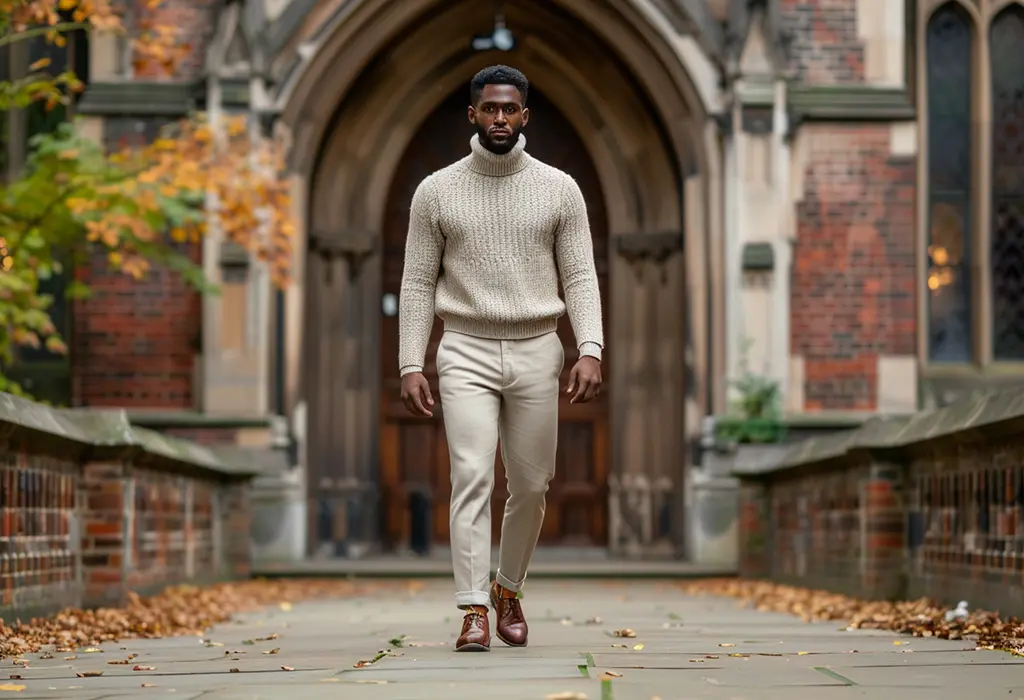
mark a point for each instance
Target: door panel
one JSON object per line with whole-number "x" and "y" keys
{"x": 415, "y": 467}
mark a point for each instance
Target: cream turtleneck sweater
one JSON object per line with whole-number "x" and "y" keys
{"x": 488, "y": 237}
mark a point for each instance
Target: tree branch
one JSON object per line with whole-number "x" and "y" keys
{"x": 40, "y": 31}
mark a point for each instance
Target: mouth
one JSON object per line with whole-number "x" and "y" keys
{"x": 500, "y": 132}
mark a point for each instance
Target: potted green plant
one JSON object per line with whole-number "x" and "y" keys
{"x": 755, "y": 417}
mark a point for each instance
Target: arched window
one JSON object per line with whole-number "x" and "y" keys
{"x": 1006, "y": 51}
{"x": 949, "y": 62}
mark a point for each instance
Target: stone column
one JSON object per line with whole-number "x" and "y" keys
{"x": 236, "y": 323}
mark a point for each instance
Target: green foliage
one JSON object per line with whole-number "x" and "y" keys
{"x": 756, "y": 412}
{"x": 45, "y": 216}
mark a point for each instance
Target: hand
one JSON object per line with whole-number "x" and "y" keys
{"x": 584, "y": 380}
{"x": 416, "y": 394}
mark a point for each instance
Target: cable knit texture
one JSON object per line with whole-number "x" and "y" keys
{"x": 488, "y": 237}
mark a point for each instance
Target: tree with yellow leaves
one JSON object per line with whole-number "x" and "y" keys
{"x": 74, "y": 200}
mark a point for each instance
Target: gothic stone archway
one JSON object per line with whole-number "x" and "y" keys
{"x": 643, "y": 134}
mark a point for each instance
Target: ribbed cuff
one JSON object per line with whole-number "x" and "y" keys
{"x": 409, "y": 369}
{"x": 589, "y": 349}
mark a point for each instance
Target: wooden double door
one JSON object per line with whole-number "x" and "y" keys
{"x": 414, "y": 479}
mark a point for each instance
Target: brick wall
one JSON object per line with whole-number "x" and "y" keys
{"x": 965, "y": 523}
{"x": 39, "y": 557}
{"x": 853, "y": 293}
{"x": 89, "y": 511}
{"x": 135, "y": 341}
{"x": 234, "y": 514}
{"x": 927, "y": 506}
{"x": 103, "y": 532}
{"x": 145, "y": 529}
{"x": 825, "y": 49}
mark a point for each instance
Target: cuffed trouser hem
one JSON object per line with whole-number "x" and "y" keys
{"x": 508, "y": 584}
{"x": 467, "y": 599}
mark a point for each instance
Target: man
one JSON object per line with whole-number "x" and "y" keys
{"x": 488, "y": 237}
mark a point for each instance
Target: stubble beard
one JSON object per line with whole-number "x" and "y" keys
{"x": 498, "y": 148}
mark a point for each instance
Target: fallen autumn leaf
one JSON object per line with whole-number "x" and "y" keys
{"x": 921, "y": 618}
{"x": 177, "y": 611}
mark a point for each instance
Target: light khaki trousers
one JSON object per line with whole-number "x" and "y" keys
{"x": 491, "y": 390}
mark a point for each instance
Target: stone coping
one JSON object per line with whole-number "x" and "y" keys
{"x": 992, "y": 415}
{"x": 109, "y": 434}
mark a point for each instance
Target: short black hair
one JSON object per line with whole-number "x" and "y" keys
{"x": 498, "y": 75}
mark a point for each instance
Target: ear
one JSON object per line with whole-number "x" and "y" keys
{"x": 526, "y": 116}
{"x": 472, "y": 114}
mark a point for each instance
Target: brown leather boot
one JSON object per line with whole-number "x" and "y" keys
{"x": 511, "y": 625}
{"x": 476, "y": 631}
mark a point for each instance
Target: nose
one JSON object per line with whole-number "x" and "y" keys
{"x": 500, "y": 117}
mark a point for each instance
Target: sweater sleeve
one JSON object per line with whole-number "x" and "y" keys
{"x": 423, "y": 250}
{"x": 574, "y": 251}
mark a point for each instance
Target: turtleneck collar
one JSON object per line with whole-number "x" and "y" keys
{"x": 487, "y": 163}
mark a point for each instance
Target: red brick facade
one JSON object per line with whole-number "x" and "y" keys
{"x": 135, "y": 342}
{"x": 824, "y": 49}
{"x": 853, "y": 295}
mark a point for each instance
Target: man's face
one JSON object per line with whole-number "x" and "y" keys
{"x": 499, "y": 116}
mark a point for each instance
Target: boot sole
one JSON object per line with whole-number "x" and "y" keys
{"x": 494, "y": 604}
{"x": 472, "y": 647}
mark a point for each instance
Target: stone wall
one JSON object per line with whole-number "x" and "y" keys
{"x": 929, "y": 505}
{"x": 92, "y": 507}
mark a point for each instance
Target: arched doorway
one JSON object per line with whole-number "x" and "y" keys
{"x": 381, "y": 69}
{"x": 414, "y": 474}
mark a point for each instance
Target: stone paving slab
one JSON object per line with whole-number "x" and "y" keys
{"x": 692, "y": 648}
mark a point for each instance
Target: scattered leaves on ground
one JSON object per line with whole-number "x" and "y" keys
{"x": 920, "y": 618}
{"x": 380, "y": 655}
{"x": 627, "y": 633}
{"x": 178, "y": 611}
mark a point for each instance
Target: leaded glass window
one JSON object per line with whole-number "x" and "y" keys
{"x": 1007, "y": 228}
{"x": 949, "y": 47}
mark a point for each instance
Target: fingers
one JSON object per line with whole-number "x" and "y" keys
{"x": 425, "y": 400}
{"x": 573, "y": 381}
{"x": 418, "y": 399}
{"x": 417, "y": 408}
{"x": 587, "y": 389}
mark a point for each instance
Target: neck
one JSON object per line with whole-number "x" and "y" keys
{"x": 498, "y": 164}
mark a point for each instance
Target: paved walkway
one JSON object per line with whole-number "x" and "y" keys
{"x": 691, "y": 648}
